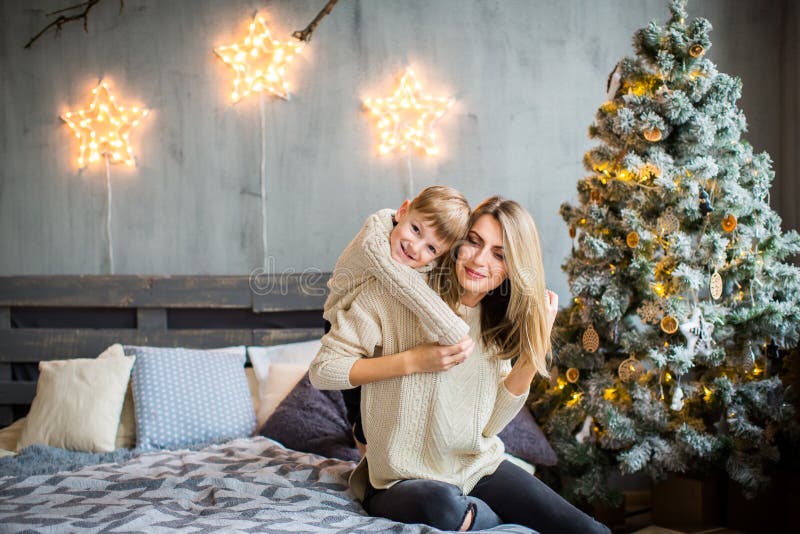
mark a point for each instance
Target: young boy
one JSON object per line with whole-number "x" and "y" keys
{"x": 398, "y": 249}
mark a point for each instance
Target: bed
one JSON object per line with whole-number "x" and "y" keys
{"x": 246, "y": 484}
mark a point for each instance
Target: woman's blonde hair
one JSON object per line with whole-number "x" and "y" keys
{"x": 513, "y": 315}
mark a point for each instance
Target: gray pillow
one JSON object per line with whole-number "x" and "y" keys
{"x": 524, "y": 439}
{"x": 311, "y": 420}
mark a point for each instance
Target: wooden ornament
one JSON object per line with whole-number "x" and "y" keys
{"x": 716, "y": 285}
{"x": 572, "y": 232}
{"x": 653, "y": 135}
{"x": 572, "y": 375}
{"x": 591, "y": 341}
{"x": 594, "y": 196}
{"x": 669, "y": 324}
{"x": 668, "y": 223}
{"x": 650, "y": 312}
{"x": 696, "y": 50}
{"x": 630, "y": 370}
{"x": 632, "y": 239}
{"x": 729, "y": 223}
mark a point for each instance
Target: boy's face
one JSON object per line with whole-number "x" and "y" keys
{"x": 413, "y": 241}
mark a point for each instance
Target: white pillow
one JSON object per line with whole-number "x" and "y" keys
{"x": 78, "y": 403}
{"x": 281, "y": 380}
{"x": 295, "y": 353}
{"x": 262, "y": 358}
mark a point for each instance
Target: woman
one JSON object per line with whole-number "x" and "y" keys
{"x": 431, "y": 414}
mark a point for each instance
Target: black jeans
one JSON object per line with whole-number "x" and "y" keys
{"x": 509, "y": 495}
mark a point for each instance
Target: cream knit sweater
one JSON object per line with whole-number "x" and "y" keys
{"x": 438, "y": 426}
{"x": 368, "y": 257}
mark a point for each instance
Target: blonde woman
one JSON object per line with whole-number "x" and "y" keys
{"x": 431, "y": 414}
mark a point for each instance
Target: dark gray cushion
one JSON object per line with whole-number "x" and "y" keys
{"x": 311, "y": 420}
{"x": 524, "y": 439}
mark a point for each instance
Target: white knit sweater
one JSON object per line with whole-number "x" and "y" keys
{"x": 438, "y": 426}
{"x": 368, "y": 257}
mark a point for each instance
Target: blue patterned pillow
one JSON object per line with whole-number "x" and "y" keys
{"x": 183, "y": 397}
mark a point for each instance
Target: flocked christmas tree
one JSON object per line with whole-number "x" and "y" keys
{"x": 665, "y": 358}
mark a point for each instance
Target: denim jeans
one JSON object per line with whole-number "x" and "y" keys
{"x": 509, "y": 495}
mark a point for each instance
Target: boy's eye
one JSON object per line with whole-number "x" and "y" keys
{"x": 433, "y": 250}
{"x": 415, "y": 228}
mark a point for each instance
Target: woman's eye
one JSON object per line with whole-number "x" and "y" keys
{"x": 433, "y": 250}
{"x": 500, "y": 257}
{"x": 472, "y": 241}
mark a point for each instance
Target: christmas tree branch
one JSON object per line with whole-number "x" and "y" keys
{"x": 305, "y": 35}
{"x": 63, "y": 19}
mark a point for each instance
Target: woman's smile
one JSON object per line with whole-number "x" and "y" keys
{"x": 474, "y": 275}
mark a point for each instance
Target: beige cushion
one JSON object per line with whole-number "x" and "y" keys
{"x": 252, "y": 384}
{"x": 78, "y": 403}
{"x": 280, "y": 381}
{"x": 9, "y": 437}
{"x": 126, "y": 432}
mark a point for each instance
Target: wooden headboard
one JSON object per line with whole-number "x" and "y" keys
{"x": 60, "y": 317}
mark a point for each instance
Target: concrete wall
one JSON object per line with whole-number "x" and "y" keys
{"x": 786, "y": 190}
{"x": 527, "y": 76}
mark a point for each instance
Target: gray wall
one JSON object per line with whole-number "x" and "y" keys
{"x": 527, "y": 76}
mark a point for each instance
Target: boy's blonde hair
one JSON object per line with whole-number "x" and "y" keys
{"x": 445, "y": 209}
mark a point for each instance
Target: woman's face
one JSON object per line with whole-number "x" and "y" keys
{"x": 481, "y": 264}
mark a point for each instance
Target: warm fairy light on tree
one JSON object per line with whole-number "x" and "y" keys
{"x": 259, "y": 62}
{"x": 406, "y": 118}
{"x": 104, "y": 127}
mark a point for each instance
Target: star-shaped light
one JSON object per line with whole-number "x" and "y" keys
{"x": 697, "y": 332}
{"x": 103, "y": 128}
{"x": 259, "y": 62}
{"x": 406, "y": 118}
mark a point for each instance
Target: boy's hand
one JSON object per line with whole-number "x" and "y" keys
{"x": 432, "y": 357}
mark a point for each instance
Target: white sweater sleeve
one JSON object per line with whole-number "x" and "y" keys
{"x": 354, "y": 334}
{"x": 439, "y": 322}
{"x": 506, "y": 405}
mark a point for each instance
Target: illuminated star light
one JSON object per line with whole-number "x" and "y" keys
{"x": 407, "y": 117}
{"x": 259, "y": 62}
{"x": 103, "y": 128}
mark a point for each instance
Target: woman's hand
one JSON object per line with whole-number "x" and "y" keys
{"x": 432, "y": 357}
{"x": 552, "y": 310}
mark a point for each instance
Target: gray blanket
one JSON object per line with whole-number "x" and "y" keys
{"x": 246, "y": 485}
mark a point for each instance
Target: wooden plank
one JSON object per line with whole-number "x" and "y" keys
{"x": 36, "y": 344}
{"x": 151, "y": 319}
{"x": 284, "y": 292}
{"x": 125, "y": 291}
{"x": 16, "y": 392}
{"x": 277, "y": 336}
{"x": 6, "y": 412}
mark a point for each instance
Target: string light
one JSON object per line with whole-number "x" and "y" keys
{"x": 406, "y": 118}
{"x": 104, "y": 127}
{"x": 259, "y": 62}
{"x": 576, "y": 397}
{"x": 609, "y": 393}
{"x": 707, "y": 394}
{"x": 659, "y": 289}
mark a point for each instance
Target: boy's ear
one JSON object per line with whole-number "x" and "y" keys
{"x": 402, "y": 211}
